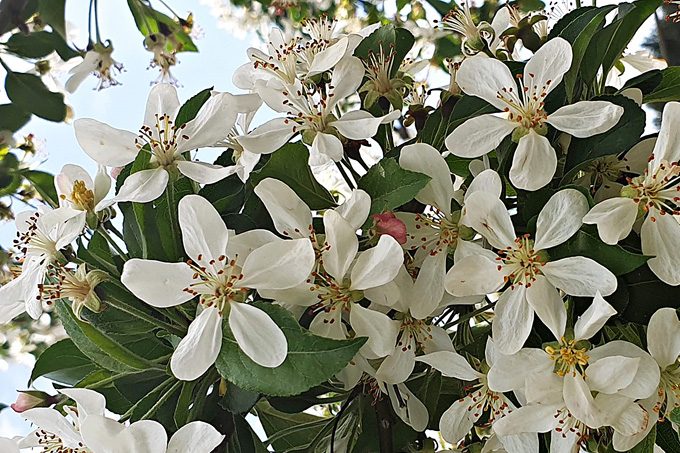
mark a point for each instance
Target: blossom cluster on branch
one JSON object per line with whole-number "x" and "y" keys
{"x": 496, "y": 260}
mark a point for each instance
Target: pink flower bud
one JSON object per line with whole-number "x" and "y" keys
{"x": 388, "y": 223}
{"x": 28, "y": 399}
{"x": 115, "y": 171}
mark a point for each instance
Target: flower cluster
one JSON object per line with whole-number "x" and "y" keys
{"x": 453, "y": 280}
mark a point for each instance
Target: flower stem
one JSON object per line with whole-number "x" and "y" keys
{"x": 112, "y": 243}
{"x": 164, "y": 397}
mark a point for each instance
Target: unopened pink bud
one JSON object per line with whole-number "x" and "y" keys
{"x": 388, "y": 223}
{"x": 29, "y": 399}
{"x": 115, "y": 171}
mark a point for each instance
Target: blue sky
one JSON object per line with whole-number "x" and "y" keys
{"x": 122, "y": 107}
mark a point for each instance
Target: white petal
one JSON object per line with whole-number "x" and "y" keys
{"x": 202, "y": 172}
{"x": 147, "y": 436}
{"x": 328, "y": 145}
{"x": 278, "y": 265}
{"x": 290, "y": 214}
{"x": 560, "y": 218}
{"x": 301, "y": 295}
{"x": 474, "y": 275}
{"x": 487, "y": 214}
{"x": 8, "y": 445}
{"x": 510, "y": 372}
{"x": 141, "y": 187}
{"x": 105, "y": 144}
{"x": 162, "y": 100}
{"x": 102, "y": 184}
{"x": 580, "y": 402}
{"x": 378, "y": 327}
{"x": 360, "y": 125}
{"x": 485, "y": 78}
{"x": 660, "y": 238}
{"x": 614, "y": 218}
{"x": 198, "y": 437}
{"x": 342, "y": 245}
{"x": 345, "y": 80}
{"x": 586, "y": 118}
{"x": 534, "y": 162}
{"x": 68, "y": 175}
{"x": 479, "y": 135}
{"x": 423, "y": 158}
{"x": 545, "y": 69}
{"x": 548, "y": 305}
{"x": 198, "y": 350}
{"x": 663, "y": 337}
{"x": 513, "y": 320}
{"x": 242, "y": 245}
{"x": 610, "y": 374}
{"x": 579, "y": 276}
{"x": 456, "y": 422}
{"x": 646, "y": 380}
{"x": 157, "y": 283}
{"x": 216, "y": 116}
{"x": 429, "y": 285}
{"x": 450, "y": 364}
{"x": 414, "y": 413}
{"x": 53, "y": 422}
{"x": 668, "y": 142}
{"x": 329, "y": 57}
{"x": 356, "y": 208}
{"x": 203, "y": 231}
{"x": 623, "y": 414}
{"x": 89, "y": 402}
{"x": 268, "y": 137}
{"x": 535, "y": 418}
{"x": 486, "y": 181}
{"x": 257, "y": 335}
{"x": 593, "y": 319}
{"x": 105, "y": 435}
{"x": 377, "y": 265}
{"x": 397, "y": 366}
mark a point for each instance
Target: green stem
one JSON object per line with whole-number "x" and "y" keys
{"x": 172, "y": 214}
{"x": 166, "y": 396}
{"x": 96, "y": 21}
{"x": 389, "y": 140}
{"x": 161, "y": 388}
{"x": 112, "y": 242}
{"x": 111, "y": 379}
{"x": 345, "y": 176}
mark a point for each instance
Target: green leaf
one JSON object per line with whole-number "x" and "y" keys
{"x": 227, "y": 195}
{"x": 31, "y": 45}
{"x": 618, "y": 139}
{"x": 610, "y": 42}
{"x": 289, "y": 165}
{"x": 613, "y": 257}
{"x": 190, "y": 108}
{"x": 391, "y": 186}
{"x": 646, "y": 294}
{"x": 668, "y": 89}
{"x": 666, "y": 437}
{"x": 99, "y": 347}
{"x": 645, "y": 82}
{"x": 311, "y": 359}
{"x": 43, "y": 183}
{"x": 30, "y": 94}
{"x": 244, "y": 439}
{"x": 579, "y": 32}
{"x": 238, "y": 400}
{"x": 12, "y": 118}
{"x": 52, "y": 12}
{"x": 62, "y": 362}
{"x": 302, "y": 427}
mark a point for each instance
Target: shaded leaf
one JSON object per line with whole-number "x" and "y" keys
{"x": 391, "y": 186}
